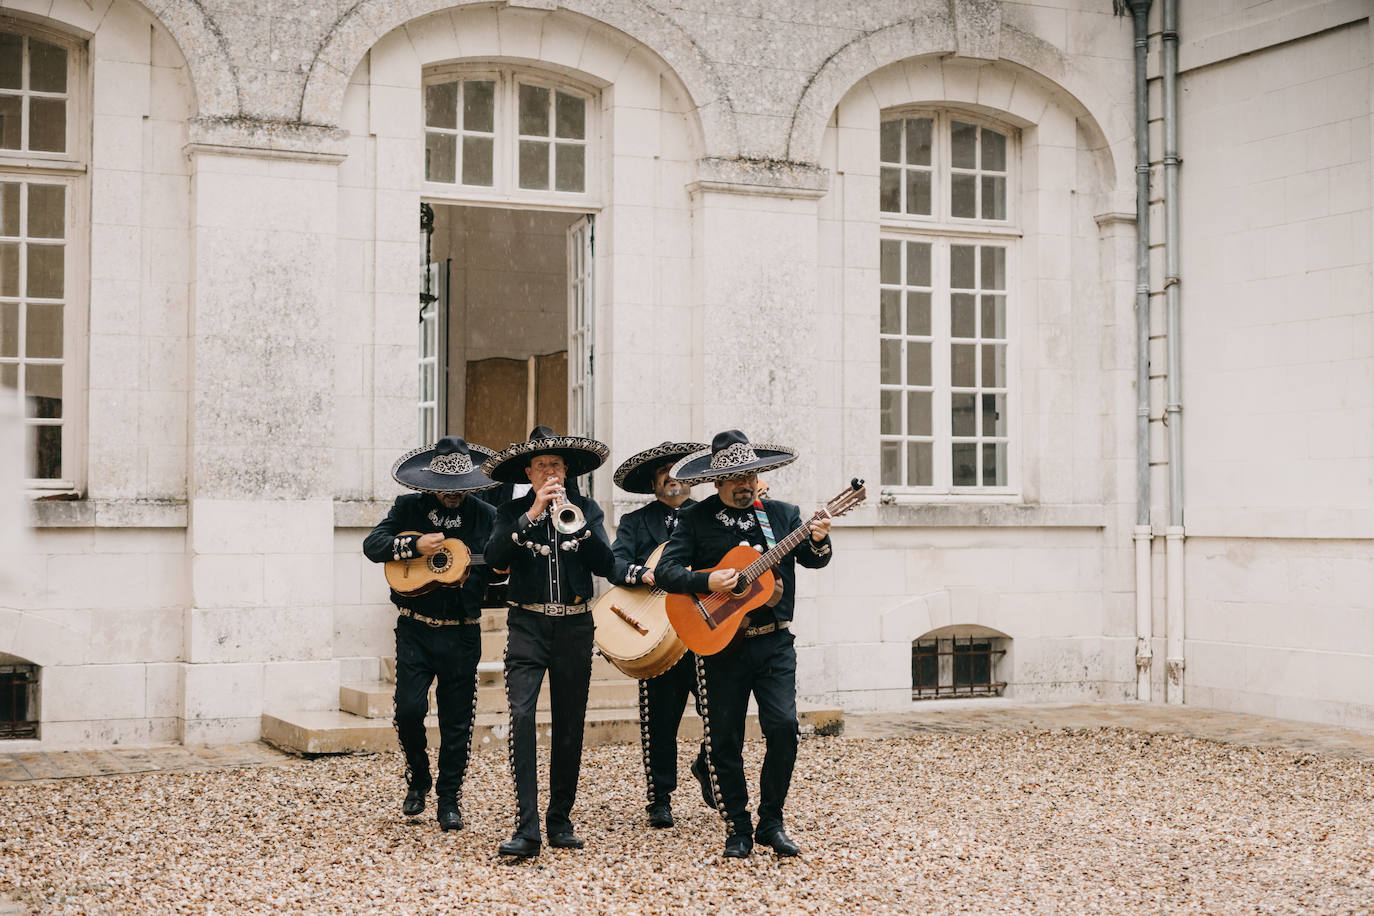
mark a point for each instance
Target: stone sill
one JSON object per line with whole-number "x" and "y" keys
{"x": 974, "y": 515}
{"x": 108, "y": 513}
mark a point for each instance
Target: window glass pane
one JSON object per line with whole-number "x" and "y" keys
{"x": 11, "y": 61}
{"x": 9, "y": 269}
{"x": 891, "y": 472}
{"x": 9, "y": 208}
{"x": 890, "y": 142}
{"x": 918, "y": 363}
{"x": 994, "y": 197}
{"x": 963, "y": 195}
{"x": 918, "y": 134}
{"x": 918, "y": 192}
{"x": 48, "y": 125}
{"x": 994, "y": 415}
{"x": 890, "y": 368}
{"x": 964, "y": 463}
{"x": 961, "y": 315}
{"x": 994, "y": 151}
{"x": 918, "y": 413}
{"x": 962, "y": 153}
{"x": 46, "y": 206}
{"x": 994, "y": 366}
{"x": 440, "y": 153}
{"x": 426, "y": 385}
{"x": 9, "y": 329}
{"x": 917, "y": 263}
{"x": 479, "y": 105}
{"x": 441, "y": 105}
{"x": 961, "y": 357}
{"x": 961, "y": 267}
{"x": 11, "y": 107}
{"x": 891, "y": 261}
{"x": 961, "y": 419}
{"x": 534, "y": 164}
{"x": 890, "y": 190}
{"x": 889, "y": 413}
{"x": 920, "y": 464}
{"x": 43, "y": 333}
{"x": 918, "y": 314}
{"x": 569, "y": 167}
{"x": 477, "y": 161}
{"x": 994, "y": 322}
{"x": 45, "y": 280}
{"x": 47, "y": 67}
{"x": 571, "y": 113}
{"x": 45, "y": 455}
{"x": 43, "y": 391}
{"x": 9, "y": 375}
{"x": 994, "y": 464}
{"x": 994, "y": 268}
{"x": 534, "y": 113}
{"x": 890, "y": 314}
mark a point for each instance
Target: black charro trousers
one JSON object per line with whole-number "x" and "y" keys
{"x": 450, "y": 654}
{"x": 765, "y": 666}
{"x": 662, "y": 700}
{"x": 562, "y": 647}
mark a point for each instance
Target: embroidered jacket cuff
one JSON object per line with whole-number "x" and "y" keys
{"x": 403, "y": 547}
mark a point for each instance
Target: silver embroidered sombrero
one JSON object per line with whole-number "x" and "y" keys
{"x": 731, "y": 455}
{"x": 581, "y": 455}
{"x": 636, "y": 473}
{"x": 444, "y": 467}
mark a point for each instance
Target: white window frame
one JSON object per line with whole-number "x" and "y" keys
{"x": 68, "y": 168}
{"x": 505, "y": 190}
{"x": 941, "y": 232}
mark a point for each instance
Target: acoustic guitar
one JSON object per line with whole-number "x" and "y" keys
{"x": 708, "y": 623}
{"x": 632, "y": 629}
{"x": 448, "y": 567}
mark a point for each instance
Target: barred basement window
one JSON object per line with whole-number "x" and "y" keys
{"x": 18, "y": 701}
{"x": 956, "y": 666}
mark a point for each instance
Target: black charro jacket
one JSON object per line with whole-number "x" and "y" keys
{"x": 706, "y": 531}
{"x": 639, "y": 533}
{"x": 562, "y": 577}
{"x": 471, "y": 522}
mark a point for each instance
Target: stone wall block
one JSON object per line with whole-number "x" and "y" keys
{"x": 220, "y": 691}
{"x": 227, "y": 580}
{"x": 128, "y": 635}
{"x": 258, "y": 634}
{"x": 300, "y": 685}
{"x": 94, "y": 692}
{"x": 873, "y": 666}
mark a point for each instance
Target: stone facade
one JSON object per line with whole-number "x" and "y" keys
{"x": 240, "y": 339}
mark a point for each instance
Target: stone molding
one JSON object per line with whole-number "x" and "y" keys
{"x": 267, "y": 139}
{"x": 766, "y": 177}
{"x": 974, "y": 515}
{"x": 108, "y": 513}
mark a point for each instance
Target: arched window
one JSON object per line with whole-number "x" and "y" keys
{"x": 959, "y": 661}
{"x": 18, "y": 698}
{"x": 507, "y": 134}
{"x": 947, "y": 260}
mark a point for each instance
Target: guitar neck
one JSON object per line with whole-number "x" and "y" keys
{"x": 773, "y": 556}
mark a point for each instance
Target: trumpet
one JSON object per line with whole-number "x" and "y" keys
{"x": 567, "y": 518}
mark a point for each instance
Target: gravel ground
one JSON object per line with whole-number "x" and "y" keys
{"x": 1100, "y": 820}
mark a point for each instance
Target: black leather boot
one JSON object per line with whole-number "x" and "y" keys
{"x": 450, "y": 817}
{"x": 738, "y": 846}
{"x": 415, "y": 799}
{"x": 520, "y": 847}
{"x": 779, "y": 841}
{"x": 704, "y": 780}
{"x": 565, "y": 839}
{"x": 660, "y": 815}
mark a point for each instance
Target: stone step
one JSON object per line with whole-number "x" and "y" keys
{"x": 333, "y": 731}
{"x": 374, "y": 700}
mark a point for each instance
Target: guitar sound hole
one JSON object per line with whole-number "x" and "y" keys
{"x": 741, "y": 588}
{"x": 439, "y": 561}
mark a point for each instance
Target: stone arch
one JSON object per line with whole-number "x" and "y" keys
{"x": 364, "y": 24}
{"x": 203, "y": 46}
{"x": 1021, "y": 57}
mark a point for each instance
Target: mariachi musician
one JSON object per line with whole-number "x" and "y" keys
{"x": 764, "y": 661}
{"x": 437, "y": 634}
{"x": 552, "y": 540}
{"x": 662, "y": 698}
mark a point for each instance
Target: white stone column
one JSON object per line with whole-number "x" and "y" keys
{"x": 756, "y": 238}
{"x": 259, "y": 632}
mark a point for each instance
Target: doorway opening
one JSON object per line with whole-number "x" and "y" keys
{"x": 506, "y": 343}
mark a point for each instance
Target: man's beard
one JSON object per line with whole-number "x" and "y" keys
{"x": 742, "y": 498}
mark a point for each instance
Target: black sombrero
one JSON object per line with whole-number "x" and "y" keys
{"x": 582, "y": 456}
{"x": 636, "y": 473}
{"x": 444, "y": 467}
{"x": 731, "y": 455}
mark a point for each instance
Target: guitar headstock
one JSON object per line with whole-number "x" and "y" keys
{"x": 847, "y": 499}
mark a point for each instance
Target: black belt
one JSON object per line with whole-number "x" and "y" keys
{"x": 555, "y": 610}
{"x": 435, "y": 621}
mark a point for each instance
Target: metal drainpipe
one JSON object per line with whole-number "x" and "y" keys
{"x": 1174, "y": 534}
{"x": 1142, "y": 535}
